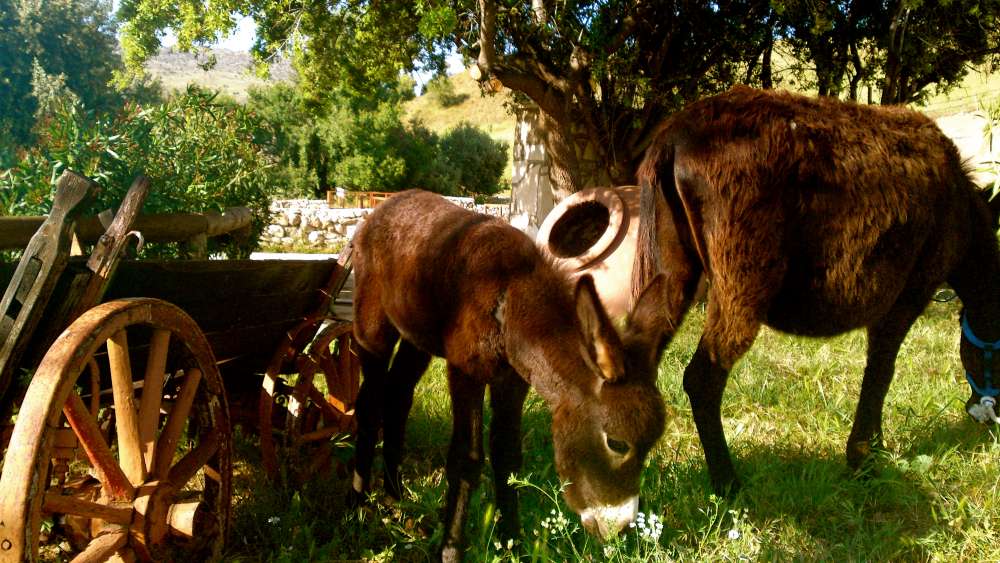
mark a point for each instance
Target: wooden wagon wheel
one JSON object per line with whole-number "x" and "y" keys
{"x": 158, "y": 487}
{"x": 308, "y": 397}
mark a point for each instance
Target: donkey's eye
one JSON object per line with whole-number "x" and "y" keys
{"x": 617, "y": 446}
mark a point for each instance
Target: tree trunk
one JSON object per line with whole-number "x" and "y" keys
{"x": 766, "y": 80}
{"x": 891, "y": 86}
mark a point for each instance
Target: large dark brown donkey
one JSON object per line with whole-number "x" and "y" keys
{"x": 441, "y": 280}
{"x": 815, "y": 217}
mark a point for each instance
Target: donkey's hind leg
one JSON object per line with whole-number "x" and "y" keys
{"x": 704, "y": 383}
{"x": 731, "y": 325}
{"x": 884, "y": 340}
{"x": 465, "y": 457}
{"x": 507, "y": 394}
{"x": 408, "y": 366}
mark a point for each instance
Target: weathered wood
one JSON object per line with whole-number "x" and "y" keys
{"x": 182, "y": 518}
{"x": 152, "y": 393}
{"x": 230, "y": 220}
{"x": 51, "y": 395}
{"x": 42, "y": 262}
{"x": 130, "y": 451}
{"x": 102, "y": 547}
{"x": 166, "y": 445}
{"x": 116, "y": 484}
{"x": 187, "y": 467}
{"x": 67, "y": 504}
{"x": 15, "y": 232}
{"x": 85, "y": 287}
{"x": 243, "y": 306}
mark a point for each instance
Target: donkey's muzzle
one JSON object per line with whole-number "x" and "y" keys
{"x": 606, "y": 521}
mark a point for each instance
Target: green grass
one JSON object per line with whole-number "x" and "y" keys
{"x": 787, "y": 413}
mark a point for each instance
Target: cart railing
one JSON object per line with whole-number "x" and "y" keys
{"x": 191, "y": 228}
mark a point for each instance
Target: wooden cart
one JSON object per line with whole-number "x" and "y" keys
{"x": 118, "y": 381}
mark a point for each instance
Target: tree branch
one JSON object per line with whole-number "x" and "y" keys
{"x": 487, "y": 37}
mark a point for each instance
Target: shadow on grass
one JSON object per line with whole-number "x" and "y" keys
{"x": 311, "y": 521}
{"x": 960, "y": 434}
{"x": 811, "y": 502}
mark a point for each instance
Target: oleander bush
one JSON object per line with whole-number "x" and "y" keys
{"x": 198, "y": 151}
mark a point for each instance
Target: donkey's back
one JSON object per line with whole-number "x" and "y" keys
{"x": 844, "y": 206}
{"x": 432, "y": 267}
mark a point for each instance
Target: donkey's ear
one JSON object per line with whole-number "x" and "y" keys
{"x": 647, "y": 326}
{"x": 603, "y": 346}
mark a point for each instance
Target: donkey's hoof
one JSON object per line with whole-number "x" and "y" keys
{"x": 451, "y": 554}
{"x": 864, "y": 471}
{"x": 356, "y": 499}
{"x": 393, "y": 488}
{"x": 727, "y": 488}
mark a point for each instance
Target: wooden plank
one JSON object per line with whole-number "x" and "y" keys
{"x": 42, "y": 261}
{"x": 219, "y": 279}
{"x": 15, "y": 232}
{"x": 103, "y": 547}
{"x": 87, "y": 285}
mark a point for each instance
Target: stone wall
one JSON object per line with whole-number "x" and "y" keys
{"x": 312, "y": 223}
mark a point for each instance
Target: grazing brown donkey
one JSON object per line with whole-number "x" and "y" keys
{"x": 440, "y": 280}
{"x": 813, "y": 216}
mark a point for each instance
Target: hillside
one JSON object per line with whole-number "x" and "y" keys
{"x": 233, "y": 73}
{"x": 487, "y": 112}
{"x": 976, "y": 88}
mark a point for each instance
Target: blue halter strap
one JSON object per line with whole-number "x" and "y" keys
{"x": 988, "y": 348}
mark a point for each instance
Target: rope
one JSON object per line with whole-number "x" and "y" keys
{"x": 983, "y": 411}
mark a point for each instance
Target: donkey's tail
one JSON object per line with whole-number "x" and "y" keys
{"x": 655, "y": 172}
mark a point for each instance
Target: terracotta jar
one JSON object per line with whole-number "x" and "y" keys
{"x": 594, "y": 232}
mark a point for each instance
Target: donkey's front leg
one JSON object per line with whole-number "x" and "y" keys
{"x": 465, "y": 457}
{"x": 507, "y": 400}
{"x": 369, "y": 409}
{"x": 407, "y": 367}
{"x": 884, "y": 340}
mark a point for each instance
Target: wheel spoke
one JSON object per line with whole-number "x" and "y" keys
{"x": 124, "y": 555}
{"x": 331, "y": 407}
{"x": 102, "y": 547}
{"x": 126, "y": 416}
{"x": 115, "y": 482}
{"x": 188, "y": 466}
{"x": 65, "y": 504}
{"x": 166, "y": 445}
{"x": 95, "y": 387}
{"x": 152, "y": 393}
